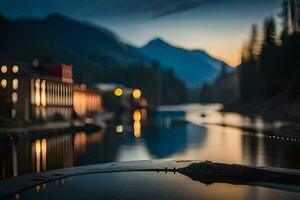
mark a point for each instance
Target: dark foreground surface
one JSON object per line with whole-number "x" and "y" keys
{"x": 156, "y": 179}
{"x": 149, "y": 180}
{"x": 148, "y": 185}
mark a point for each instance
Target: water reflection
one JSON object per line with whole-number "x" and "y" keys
{"x": 133, "y": 138}
{"x": 150, "y": 184}
{"x": 137, "y": 117}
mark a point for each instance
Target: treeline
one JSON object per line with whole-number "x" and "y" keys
{"x": 270, "y": 62}
{"x": 159, "y": 86}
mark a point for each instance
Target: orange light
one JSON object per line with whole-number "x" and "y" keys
{"x": 118, "y": 92}
{"x": 137, "y": 129}
{"x": 136, "y": 93}
{"x": 137, "y": 115}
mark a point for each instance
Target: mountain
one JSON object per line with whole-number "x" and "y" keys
{"x": 59, "y": 39}
{"x": 18, "y": 44}
{"x": 93, "y": 49}
{"x": 195, "y": 67}
{"x": 94, "y": 43}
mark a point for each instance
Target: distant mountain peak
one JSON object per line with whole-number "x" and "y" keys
{"x": 157, "y": 42}
{"x": 195, "y": 67}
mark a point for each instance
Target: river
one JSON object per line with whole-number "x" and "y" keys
{"x": 188, "y": 132}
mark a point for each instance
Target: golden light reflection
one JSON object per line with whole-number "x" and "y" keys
{"x": 15, "y": 69}
{"x": 118, "y": 92}
{"x": 137, "y": 127}
{"x": 43, "y": 93}
{"x": 136, "y": 93}
{"x": 15, "y": 161}
{"x": 38, "y": 155}
{"x": 14, "y": 97}
{"x": 44, "y": 154}
{"x": 137, "y": 115}
{"x": 3, "y": 83}
{"x": 37, "y": 92}
{"x": 80, "y": 142}
{"x": 32, "y": 91}
{"x": 4, "y": 69}
{"x": 223, "y": 144}
{"x": 15, "y": 84}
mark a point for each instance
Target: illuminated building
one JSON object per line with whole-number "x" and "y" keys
{"x": 43, "y": 93}
{"x": 86, "y": 100}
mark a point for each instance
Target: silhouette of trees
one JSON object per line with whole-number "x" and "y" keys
{"x": 159, "y": 86}
{"x": 271, "y": 63}
{"x": 249, "y": 69}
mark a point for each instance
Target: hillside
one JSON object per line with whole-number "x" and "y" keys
{"x": 195, "y": 67}
{"x": 93, "y": 49}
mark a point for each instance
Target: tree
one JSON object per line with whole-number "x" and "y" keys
{"x": 249, "y": 69}
{"x": 284, "y": 16}
{"x": 270, "y": 37}
{"x": 253, "y": 51}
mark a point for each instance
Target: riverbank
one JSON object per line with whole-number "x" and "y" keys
{"x": 277, "y": 109}
{"x": 97, "y": 122}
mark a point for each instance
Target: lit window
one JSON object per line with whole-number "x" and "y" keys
{"x": 15, "y": 84}
{"x": 3, "y": 83}
{"x": 4, "y": 69}
{"x": 14, "y": 97}
{"x": 32, "y": 91}
{"x": 43, "y": 93}
{"x": 15, "y": 69}
{"x": 37, "y": 92}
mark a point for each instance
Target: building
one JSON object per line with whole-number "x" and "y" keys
{"x": 293, "y": 16}
{"x": 32, "y": 92}
{"x": 86, "y": 100}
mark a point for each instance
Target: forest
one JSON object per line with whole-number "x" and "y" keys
{"x": 267, "y": 81}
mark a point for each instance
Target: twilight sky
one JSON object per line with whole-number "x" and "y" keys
{"x": 218, "y": 26}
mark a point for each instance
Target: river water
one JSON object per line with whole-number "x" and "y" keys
{"x": 148, "y": 185}
{"x": 162, "y": 134}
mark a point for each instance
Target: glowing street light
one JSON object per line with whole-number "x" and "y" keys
{"x": 118, "y": 92}
{"x": 136, "y": 93}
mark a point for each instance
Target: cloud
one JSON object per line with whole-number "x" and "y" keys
{"x": 177, "y": 6}
{"x": 102, "y": 8}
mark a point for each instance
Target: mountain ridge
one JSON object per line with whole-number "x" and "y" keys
{"x": 195, "y": 67}
{"x": 58, "y": 38}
